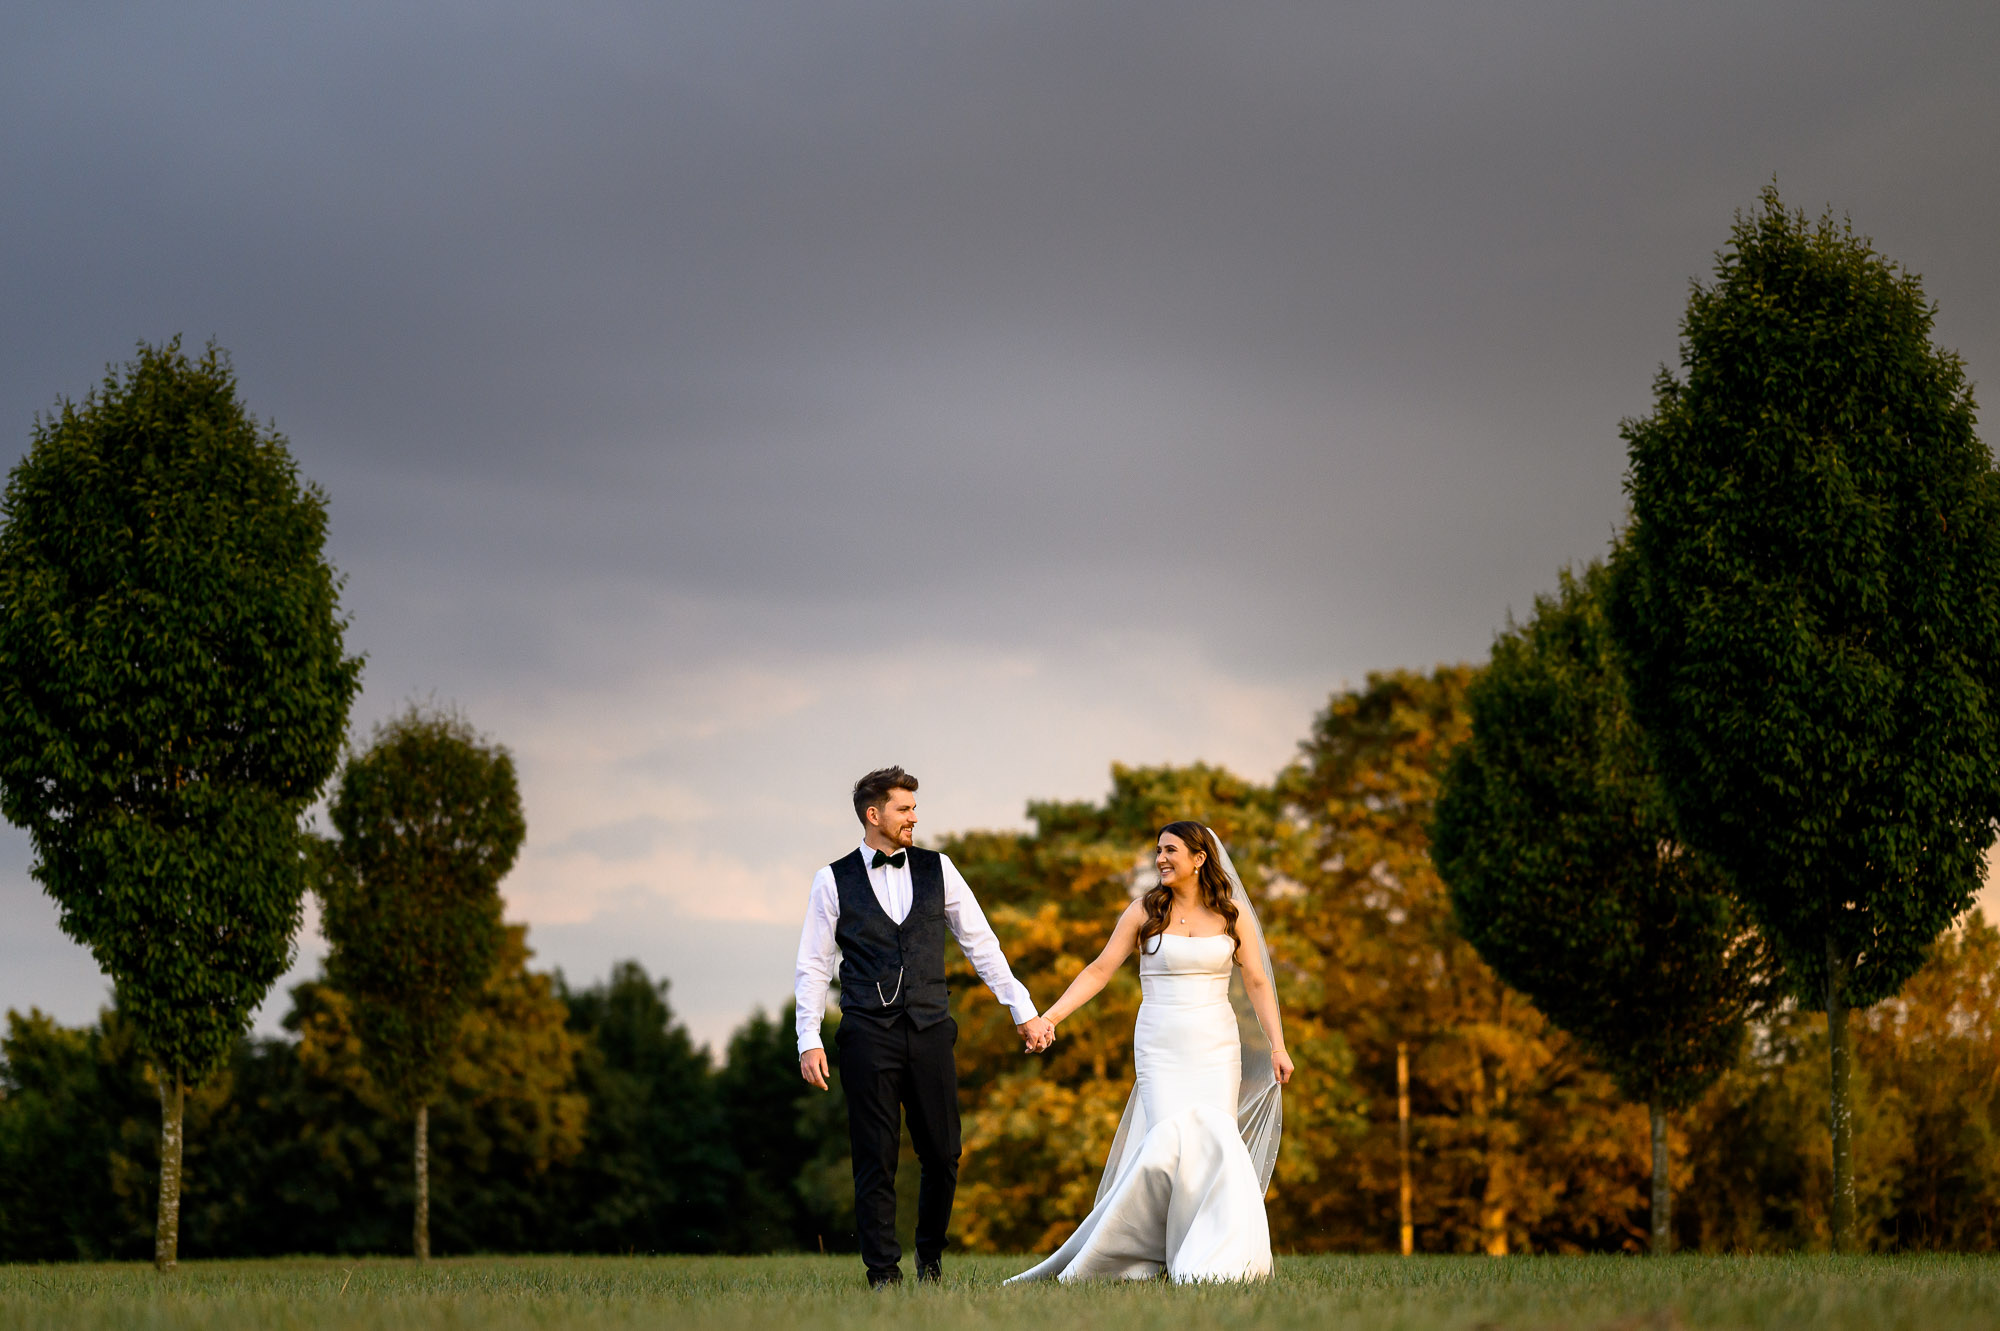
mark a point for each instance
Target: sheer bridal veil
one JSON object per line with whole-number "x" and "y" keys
{"x": 1259, "y": 1105}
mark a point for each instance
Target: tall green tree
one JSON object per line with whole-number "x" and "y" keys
{"x": 1808, "y": 606}
{"x": 1554, "y": 838}
{"x": 173, "y": 691}
{"x": 428, "y": 821}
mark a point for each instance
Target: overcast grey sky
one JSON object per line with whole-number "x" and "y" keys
{"x": 718, "y": 400}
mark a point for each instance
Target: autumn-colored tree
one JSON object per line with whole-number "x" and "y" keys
{"x": 1555, "y": 838}
{"x": 173, "y": 692}
{"x": 428, "y": 821}
{"x": 1808, "y": 604}
{"x": 1519, "y": 1141}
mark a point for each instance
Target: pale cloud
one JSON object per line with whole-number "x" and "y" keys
{"x": 727, "y": 816}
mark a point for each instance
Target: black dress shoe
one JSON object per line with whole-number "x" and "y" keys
{"x": 929, "y": 1273}
{"x": 884, "y": 1279}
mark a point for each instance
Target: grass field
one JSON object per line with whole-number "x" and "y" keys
{"x": 827, "y": 1294}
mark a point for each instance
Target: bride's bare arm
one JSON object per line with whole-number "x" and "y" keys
{"x": 1097, "y": 974}
{"x": 1264, "y": 1001}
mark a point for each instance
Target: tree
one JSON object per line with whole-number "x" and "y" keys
{"x": 656, "y": 1171}
{"x": 1808, "y": 606}
{"x": 506, "y": 1125}
{"x": 796, "y": 1188}
{"x": 428, "y": 821}
{"x": 173, "y": 691}
{"x": 1554, "y": 837}
{"x": 1520, "y": 1141}
{"x": 74, "y": 1119}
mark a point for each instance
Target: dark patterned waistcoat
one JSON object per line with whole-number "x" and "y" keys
{"x": 887, "y": 968}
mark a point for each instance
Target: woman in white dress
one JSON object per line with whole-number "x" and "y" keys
{"x": 1183, "y": 1190}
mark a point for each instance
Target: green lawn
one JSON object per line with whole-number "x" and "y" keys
{"x": 827, "y": 1294}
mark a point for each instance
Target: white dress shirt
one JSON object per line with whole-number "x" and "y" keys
{"x": 818, "y": 954}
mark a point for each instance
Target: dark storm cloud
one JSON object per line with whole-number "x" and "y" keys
{"x": 648, "y": 336}
{"x": 684, "y": 289}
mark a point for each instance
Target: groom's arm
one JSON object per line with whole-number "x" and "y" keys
{"x": 981, "y": 948}
{"x": 814, "y": 974}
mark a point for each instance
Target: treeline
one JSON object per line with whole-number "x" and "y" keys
{"x": 580, "y": 1120}
{"x": 585, "y": 1119}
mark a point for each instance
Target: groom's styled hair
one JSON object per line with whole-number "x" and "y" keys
{"x": 872, "y": 791}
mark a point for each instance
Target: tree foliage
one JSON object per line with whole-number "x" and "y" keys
{"x": 1926, "y": 1121}
{"x": 290, "y": 1150}
{"x": 428, "y": 820}
{"x": 78, "y": 1141}
{"x": 796, "y": 1188}
{"x": 1519, "y": 1141}
{"x": 173, "y": 691}
{"x": 1809, "y": 603}
{"x": 1809, "y": 607}
{"x": 656, "y": 1168}
{"x": 1565, "y": 875}
{"x": 508, "y": 1112}
{"x": 287, "y": 1144}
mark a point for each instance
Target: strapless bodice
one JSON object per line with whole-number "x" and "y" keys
{"x": 1178, "y": 970}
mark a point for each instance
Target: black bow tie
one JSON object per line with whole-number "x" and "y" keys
{"x": 880, "y": 859}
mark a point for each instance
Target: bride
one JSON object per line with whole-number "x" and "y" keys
{"x": 1183, "y": 1190}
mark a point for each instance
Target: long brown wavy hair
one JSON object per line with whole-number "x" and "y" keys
{"x": 1212, "y": 884}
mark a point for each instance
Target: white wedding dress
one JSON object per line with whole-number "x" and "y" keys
{"x": 1188, "y": 1200}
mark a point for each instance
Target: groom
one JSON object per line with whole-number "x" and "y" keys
{"x": 886, "y": 907}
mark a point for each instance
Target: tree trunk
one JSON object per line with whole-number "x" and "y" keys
{"x": 1840, "y": 1107}
{"x": 167, "y": 1236}
{"x": 1405, "y": 1193}
{"x": 1663, "y": 1202}
{"x": 1493, "y": 1208}
{"x": 423, "y": 1217}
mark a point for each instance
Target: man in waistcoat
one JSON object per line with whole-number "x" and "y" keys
{"x": 885, "y": 907}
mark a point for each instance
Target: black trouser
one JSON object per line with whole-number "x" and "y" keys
{"x": 887, "y": 1066}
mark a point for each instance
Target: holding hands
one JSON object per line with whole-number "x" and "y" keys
{"x": 1038, "y": 1033}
